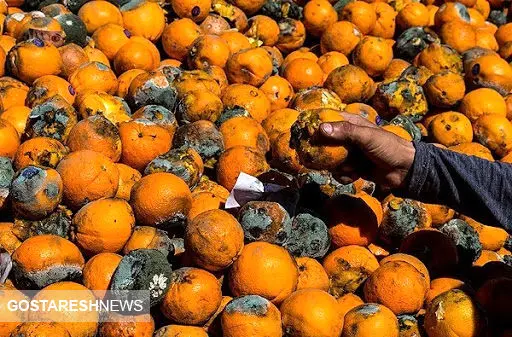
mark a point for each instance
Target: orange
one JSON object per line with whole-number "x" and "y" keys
{"x": 264, "y": 269}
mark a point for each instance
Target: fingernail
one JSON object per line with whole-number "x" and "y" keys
{"x": 326, "y": 128}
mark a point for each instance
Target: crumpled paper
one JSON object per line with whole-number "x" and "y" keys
{"x": 5, "y": 266}
{"x": 248, "y": 188}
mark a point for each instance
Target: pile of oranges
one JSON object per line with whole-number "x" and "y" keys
{"x": 125, "y": 125}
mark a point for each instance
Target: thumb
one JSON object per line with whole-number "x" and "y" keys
{"x": 346, "y": 132}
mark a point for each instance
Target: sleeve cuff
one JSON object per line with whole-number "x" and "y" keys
{"x": 417, "y": 175}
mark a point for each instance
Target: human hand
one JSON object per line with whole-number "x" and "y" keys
{"x": 376, "y": 154}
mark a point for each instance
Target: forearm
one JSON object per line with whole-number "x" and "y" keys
{"x": 475, "y": 187}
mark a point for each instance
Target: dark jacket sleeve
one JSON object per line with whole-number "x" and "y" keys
{"x": 473, "y": 186}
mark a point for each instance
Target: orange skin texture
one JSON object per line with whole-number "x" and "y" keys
{"x": 459, "y": 316}
{"x": 219, "y": 75}
{"x": 207, "y": 185}
{"x": 331, "y": 60}
{"x": 181, "y": 331}
{"x": 98, "y": 13}
{"x": 486, "y": 40}
{"x": 278, "y": 91}
{"x": 8, "y": 239}
{"x": 399, "y": 131}
{"x": 13, "y": 93}
{"x": 303, "y": 73}
{"x": 44, "y": 193}
{"x": 284, "y": 156}
{"x": 142, "y": 141}
{"x": 377, "y": 250}
{"x": 135, "y": 326}
{"x": 473, "y": 149}
{"x": 98, "y": 272}
{"x": 96, "y": 55}
{"x": 249, "y": 7}
{"x": 493, "y": 72}
{"x": 351, "y": 83}
{"x": 137, "y": 53}
{"x": 364, "y": 110}
{"x": 159, "y": 197}
{"x": 9, "y": 139}
{"x": 213, "y": 325}
{"x": 413, "y": 261}
{"x": 39, "y": 151}
{"x": 385, "y": 25}
{"x": 369, "y": 320}
{"x": 239, "y": 159}
{"x": 459, "y": 35}
{"x": 80, "y": 323}
{"x": 40, "y": 329}
{"x": 441, "y": 285}
{"x": 214, "y": 24}
{"x": 342, "y": 36}
{"x": 44, "y": 252}
{"x": 196, "y": 80}
{"x": 398, "y": 285}
{"x": 87, "y": 176}
{"x": 301, "y": 53}
{"x": 109, "y": 39}
{"x": 93, "y": 76}
{"x": 264, "y": 269}
{"x": 451, "y": 128}
{"x": 448, "y": 12}
{"x": 193, "y": 296}
{"x": 125, "y": 80}
{"x": 311, "y": 274}
{"x": 208, "y": 50}
{"x": 200, "y": 105}
{"x": 360, "y": 13}
{"x": 445, "y": 89}
{"x": 146, "y": 19}
{"x": 49, "y": 85}
{"x": 214, "y": 239}
{"x": 249, "y": 97}
{"x": 437, "y": 58}
{"x": 292, "y": 35}
{"x": 323, "y": 157}
{"x": 316, "y": 98}
{"x": 440, "y": 214}
{"x": 98, "y": 134}
{"x": 144, "y": 237}
{"x": 318, "y": 16}
{"x": 493, "y": 131}
{"x": 90, "y": 103}
{"x": 279, "y": 121}
{"x": 127, "y": 178}
{"x": 503, "y": 34}
{"x": 103, "y": 226}
{"x": 249, "y": 66}
{"x": 373, "y": 54}
{"x": 244, "y": 131}
{"x": 263, "y": 28}
{"x": 178, "y": 36}
{"x": 26, "y": 57}
{"x": 414, "y": 14}
{"x": 240, "y": 319}
{"x": 491, "y": 238}
{"x": 348, "y": 267}
{"x": 486, "y": 257}
{"x": 236, "y": 41}
{"x": 348, "y": 302}
{"x": 7, "y": 42}
{"x": 357, "y": 226}
{"x": 311, "y": 313}
{"x": 483, "y": 101}
{"x": 202, "y": 202}
{"x": 196, "y": 10}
